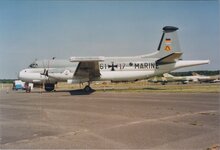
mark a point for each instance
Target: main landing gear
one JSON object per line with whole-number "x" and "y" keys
{"x": 49, "y": 87}
{"x": 87, "y": 88}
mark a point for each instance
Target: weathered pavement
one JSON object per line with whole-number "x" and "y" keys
{"x": 109, "y": 120}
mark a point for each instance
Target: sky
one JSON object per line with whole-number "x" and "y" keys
{"x": 39, "y": 29}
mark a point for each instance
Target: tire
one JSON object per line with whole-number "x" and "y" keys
{"x": 49, "y": 87}
{"x": 87, "y": 89}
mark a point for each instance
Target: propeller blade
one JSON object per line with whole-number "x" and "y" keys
{"x": 45, "y": 72}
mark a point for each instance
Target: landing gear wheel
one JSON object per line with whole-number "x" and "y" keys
{"x": 87, "y": 89}
{"x": 49, "y": 87}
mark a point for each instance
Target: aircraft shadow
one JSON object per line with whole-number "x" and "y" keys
{"x": 80, "y": 92}
{"x": 76, "y": 92}
{"x": 150, "y": 88}
{"x": 72, "y": 92}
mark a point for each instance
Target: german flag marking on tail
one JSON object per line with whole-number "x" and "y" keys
{"x": 168, "y": 40}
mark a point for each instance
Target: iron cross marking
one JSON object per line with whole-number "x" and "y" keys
{"x": 113, "y": 66}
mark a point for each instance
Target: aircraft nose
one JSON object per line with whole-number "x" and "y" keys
{"x": 18, "y": 75}
{"x": 21, "y": 75}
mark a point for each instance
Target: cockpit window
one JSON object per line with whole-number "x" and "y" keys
{"x": 33, "y": 65}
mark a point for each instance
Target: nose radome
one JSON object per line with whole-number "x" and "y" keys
{"x": 20, "y": 74}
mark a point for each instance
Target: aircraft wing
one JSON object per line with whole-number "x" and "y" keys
{"x": 170, "y": 58}
{"x": 88, "y": 67}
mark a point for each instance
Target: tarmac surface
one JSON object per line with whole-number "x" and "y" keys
{"x": 109, "y": 120}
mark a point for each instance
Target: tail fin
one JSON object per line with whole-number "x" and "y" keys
{"x": 169, "y": 44}
{"x": 167, "y": 75}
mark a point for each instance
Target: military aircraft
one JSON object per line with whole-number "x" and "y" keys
{"x": 183, "y": 79}
{"x": 195, "y": 77}
{"x": 170, "y": 78}
{"x": 204, "y": 78}
{"x": 167, "y": 58}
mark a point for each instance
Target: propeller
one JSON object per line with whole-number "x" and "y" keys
{"x": 46, "y": 69}
{"x": 46, "y": 66}
{"x": 45, "y": 72}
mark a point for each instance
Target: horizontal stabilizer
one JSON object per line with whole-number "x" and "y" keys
{"x": 189, "y": 63}
{"x": 87, "y": 59}
{"x": 169, "y": 59}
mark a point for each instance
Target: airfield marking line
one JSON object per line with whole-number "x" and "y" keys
{"x": 160, "y": 119}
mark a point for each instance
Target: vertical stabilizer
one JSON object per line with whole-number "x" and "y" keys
{"x": 169, "y": 44}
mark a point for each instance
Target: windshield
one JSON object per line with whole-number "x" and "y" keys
{"x": 33, "y": 65}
